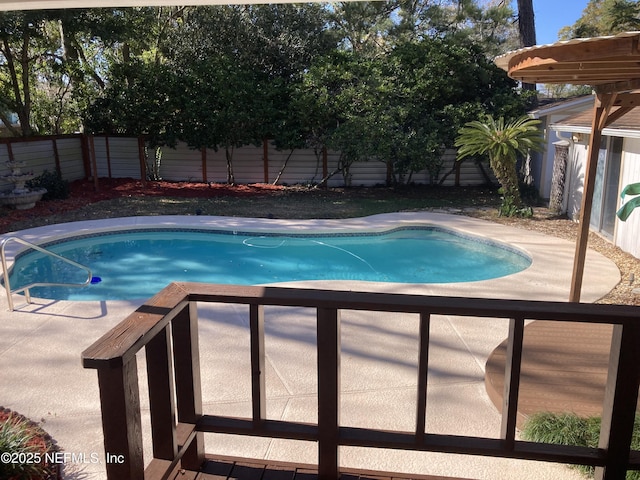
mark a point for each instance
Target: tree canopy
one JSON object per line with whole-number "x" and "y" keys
{"x": 382, "y": 81}
{"x": 604, "y": 17}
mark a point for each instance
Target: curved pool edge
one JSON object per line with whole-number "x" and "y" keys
{"x": 548, "y": 278}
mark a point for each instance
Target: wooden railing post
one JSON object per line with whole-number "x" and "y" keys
{"x": 423, "y": 369}
{"x": 513, "y": 364}
{"x": 121, "y": 424}
{"x": 161, "y": 396}
{"x": 620, "y": 401}
{"x": 168, "y": 324}
{"x": 328, "y": 328}
{"x": 258, "y": 399}
{"x": 188, "y": 384}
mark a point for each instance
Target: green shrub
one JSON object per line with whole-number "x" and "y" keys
{"x": 570, "y": 429}
{"x": 57, "y": 188}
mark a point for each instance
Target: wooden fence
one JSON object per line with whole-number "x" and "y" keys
{"x": 82, "y": 156}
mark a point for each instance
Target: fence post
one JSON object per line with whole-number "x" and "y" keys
{"x": 86, "y": 156}
{"x": 265, "y": 159}
{"x": 203, "y": 157}
{"x": 328, "y": 328}
{"x": 108, "y": 151}
{"x": 142, "y": 158}
{"x": 56, "y": 156}
{"x": 325, "y": 167}
{"x": 94, "y": 162}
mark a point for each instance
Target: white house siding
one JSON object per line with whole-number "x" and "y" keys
{"x": 544, "y": 172}
{"x": 542, "y": 162}
{"x": 574, "y": 180}
{"x": 628, "y": 233}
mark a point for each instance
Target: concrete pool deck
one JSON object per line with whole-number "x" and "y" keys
{"x": 42, "y": 376}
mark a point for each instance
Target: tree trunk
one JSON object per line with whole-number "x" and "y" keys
{"x": 558, "y": 178}
{"x": 22, "y": 98}
{"x": 526, "y": 30}
{"x": 231, "y": 179}
{"x": 505, "y": 172}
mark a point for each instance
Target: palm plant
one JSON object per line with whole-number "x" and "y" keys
{"x": 502, "y": 143}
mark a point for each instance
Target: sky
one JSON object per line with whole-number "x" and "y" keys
{"x": 552, "y": 15}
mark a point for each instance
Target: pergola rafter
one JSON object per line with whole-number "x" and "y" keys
{"x": 611, "y": 65}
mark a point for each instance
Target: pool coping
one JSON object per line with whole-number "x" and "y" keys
{"x": 548, "y": 278}
{"x": 41, "y": 345}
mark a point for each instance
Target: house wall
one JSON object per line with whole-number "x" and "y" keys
{"x": 543, "y": 168}
{"x": 542, "y": 162}
{"x": 628, "y": 233}
{"x": 574, "y": 182}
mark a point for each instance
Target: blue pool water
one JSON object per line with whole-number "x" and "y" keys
{"x": 137, "y": 264}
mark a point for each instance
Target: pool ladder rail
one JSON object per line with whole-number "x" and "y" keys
{"x": 26, "y": 288}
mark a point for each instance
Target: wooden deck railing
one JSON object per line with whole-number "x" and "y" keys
{"x": 167, "y": 328}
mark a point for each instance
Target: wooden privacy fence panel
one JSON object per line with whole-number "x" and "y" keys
{"x": 117, "y": 157}
{"x": 56, "y": 154}
{"x": 71, "y": 159}
{"x": 167, "y": 327}
{"x": 80, "y": 156}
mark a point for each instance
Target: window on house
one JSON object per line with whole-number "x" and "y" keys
{"x": 605, "y": 195}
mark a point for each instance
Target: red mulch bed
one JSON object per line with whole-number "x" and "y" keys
{"x": 126, "y": 187}
{"x": 84, "y": 192}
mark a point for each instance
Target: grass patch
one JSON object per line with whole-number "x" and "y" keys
{"x": 284, "y": 203}
{"x": 570, "y": 429}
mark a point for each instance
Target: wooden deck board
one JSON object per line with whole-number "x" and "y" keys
{"x": 564, "y": 369}
{"x": 232, "y": 468}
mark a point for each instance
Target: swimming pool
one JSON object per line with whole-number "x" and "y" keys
{"x": 137, "y": 263}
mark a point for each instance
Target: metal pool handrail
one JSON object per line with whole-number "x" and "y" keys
{"x": 26, "y": 288}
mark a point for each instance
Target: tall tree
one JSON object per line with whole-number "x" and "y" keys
{"x": 363, "y": 27}
{"x": 526, "y": 30}
{"x": 53, "y": 62}
{"x": 604, "y": 17}
{"x": 24, "y": 46}
{"x": 238, "y": 65}
{"x": 404, "y": 107}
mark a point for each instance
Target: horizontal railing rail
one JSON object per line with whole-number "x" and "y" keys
{"x": 166, "y": 327}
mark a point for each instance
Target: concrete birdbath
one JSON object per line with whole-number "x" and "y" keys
{"x": 21, "y": 197}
